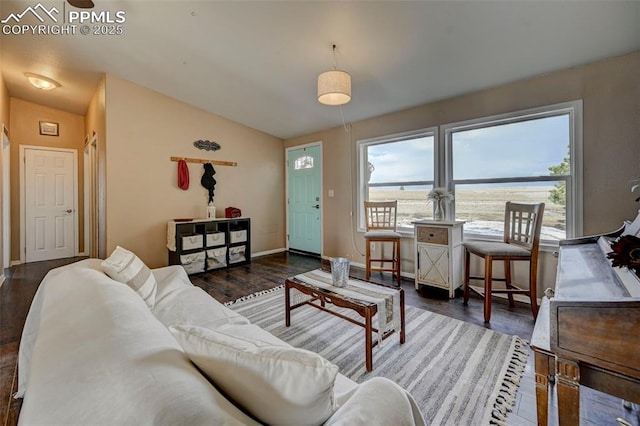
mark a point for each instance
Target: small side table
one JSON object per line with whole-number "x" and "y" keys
{"x": 439, "y": 254}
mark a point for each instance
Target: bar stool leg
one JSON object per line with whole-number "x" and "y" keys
{"x": 397, "y": 244}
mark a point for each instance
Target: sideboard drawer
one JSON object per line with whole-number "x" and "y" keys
{"x": 190, "y": 242}
{"x": 432, "y": 235}
{"x": 238, "y": 236}
{"x": 215, "y": 239}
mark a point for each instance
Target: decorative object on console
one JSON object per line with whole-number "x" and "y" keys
{"x": 211, "y": 210}
{"x": 183, "y": 175}
{"x": 626, "y": 252}
{"x": 207, "y": 145}
{"x": 439, "y": 196}
{"x": 232, "y": 212}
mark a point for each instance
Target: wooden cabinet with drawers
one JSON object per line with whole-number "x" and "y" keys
{"x": 439, "y": 254}
{"x": 208, "y": 244}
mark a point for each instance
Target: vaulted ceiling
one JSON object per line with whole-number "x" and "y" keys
{"x": 256, "y": 62}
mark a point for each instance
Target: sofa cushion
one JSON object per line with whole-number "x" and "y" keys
{"x": 126, "y": 267}
{"x": 179, "y": 302}
{"x": 275, "y": 383}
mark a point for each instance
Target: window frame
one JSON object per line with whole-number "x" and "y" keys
{"x": 363, "y": 161}
{"x": 574, "y": 209}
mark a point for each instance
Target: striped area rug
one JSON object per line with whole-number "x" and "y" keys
{"x": 459, "y": 373}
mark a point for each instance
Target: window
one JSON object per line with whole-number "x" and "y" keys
{"x": 529, "y": 157}
{"x": 398, "y": 167}
{"x": 305, "y": 162}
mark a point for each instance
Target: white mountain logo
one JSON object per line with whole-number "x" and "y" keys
{"x": 34, "y": 11}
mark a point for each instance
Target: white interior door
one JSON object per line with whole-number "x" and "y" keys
{"x": 49, "y": 204}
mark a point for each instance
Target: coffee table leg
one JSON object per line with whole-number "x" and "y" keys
{"x": 287, "y": 305}
{"x": 368, "y": 330}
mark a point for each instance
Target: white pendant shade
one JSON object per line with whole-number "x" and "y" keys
{"x": 334, "y": 87}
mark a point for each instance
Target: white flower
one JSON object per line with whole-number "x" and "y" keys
{"x": 440, "y": 194}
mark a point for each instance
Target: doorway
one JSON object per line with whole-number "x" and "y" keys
{"x": 91, "y": 196}
{"x": 304, "y": 198}
{"x": 6, "y": 198}
{"x": 48, "y": 203}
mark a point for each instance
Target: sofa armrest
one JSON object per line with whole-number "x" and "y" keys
{"x": 378, "y": 401}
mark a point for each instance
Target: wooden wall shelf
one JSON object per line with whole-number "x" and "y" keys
{"x": 204, "y": 161}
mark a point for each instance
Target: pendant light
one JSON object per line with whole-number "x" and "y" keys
{"x": 334, "y": 86}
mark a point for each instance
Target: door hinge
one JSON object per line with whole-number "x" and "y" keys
{"x": 287, "y": 237}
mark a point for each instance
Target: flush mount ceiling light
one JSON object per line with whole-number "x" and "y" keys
{"x": 41, "y": 82}
{"x": 334, "y": 87}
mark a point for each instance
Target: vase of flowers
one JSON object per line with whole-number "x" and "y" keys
{"x": 439, "y": 196}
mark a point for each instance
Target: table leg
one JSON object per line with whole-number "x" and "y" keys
{"x": 402, "y": 331}
{"x": 287, "y": 304}
{"x": 368, "y": 340}
{"x": 568, "y": 387}
{"x": 542, "y": 386}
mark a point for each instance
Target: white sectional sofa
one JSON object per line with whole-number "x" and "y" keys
{"x": 93, "y": 352}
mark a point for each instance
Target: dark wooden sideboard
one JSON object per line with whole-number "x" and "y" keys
{"x": 205, "y": 244}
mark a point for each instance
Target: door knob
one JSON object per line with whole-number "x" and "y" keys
{"x": 317, "y": 206}
{"x": 69, "y": 211}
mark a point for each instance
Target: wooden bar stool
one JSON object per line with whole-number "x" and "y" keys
{"x": 381, "y": 228}
{"x": 522, "y": 224}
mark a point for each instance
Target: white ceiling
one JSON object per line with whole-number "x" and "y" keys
{"x": 256, "y": 62}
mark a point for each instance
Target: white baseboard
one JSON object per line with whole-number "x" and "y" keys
{"x": 1, "y": 279}
{"x": 266, "y": 252}
{"x": 15, "y": 262}
{"x": 84, "y": 253}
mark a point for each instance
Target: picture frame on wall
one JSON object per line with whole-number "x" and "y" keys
{"x": 49, "y": 128}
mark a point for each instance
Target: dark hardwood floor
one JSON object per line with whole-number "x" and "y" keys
{"x": 270, "y": 271}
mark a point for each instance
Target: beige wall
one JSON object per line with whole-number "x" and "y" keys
{"x": 610, "y": 91}
{"x": 96, "y": 125}
{"x": 4, "y": 119}
{"x": 25, "y": 131}
{"x": 144, "y": 130}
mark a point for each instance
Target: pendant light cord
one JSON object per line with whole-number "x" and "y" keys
{"x": 335, "y": 66}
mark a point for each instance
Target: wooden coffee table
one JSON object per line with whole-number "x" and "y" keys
{"x": 321, "y": 297}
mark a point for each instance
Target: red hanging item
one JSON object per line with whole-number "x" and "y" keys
{"x": 183, "y": 175}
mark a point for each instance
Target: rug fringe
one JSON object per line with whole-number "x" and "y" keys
{"x": 506, "y": 392}
{"x": 256, "y": 294}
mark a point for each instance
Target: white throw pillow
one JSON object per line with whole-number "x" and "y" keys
{"x": 127, "y": 268}
{"x": 277, "y": 384}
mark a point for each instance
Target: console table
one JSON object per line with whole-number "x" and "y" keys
{"x": 439, "y": 254}
{"x": 205, "y": 244}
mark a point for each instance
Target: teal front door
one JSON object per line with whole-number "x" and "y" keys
{"x": 304, "y": 167}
